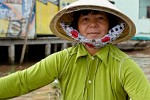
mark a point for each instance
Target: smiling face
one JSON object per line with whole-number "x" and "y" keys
{"x": 93, "y": 25}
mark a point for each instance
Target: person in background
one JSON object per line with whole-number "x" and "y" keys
{"x": 94, "y": 69}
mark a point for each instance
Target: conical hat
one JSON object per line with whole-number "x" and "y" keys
{"x": 65, "y": 15}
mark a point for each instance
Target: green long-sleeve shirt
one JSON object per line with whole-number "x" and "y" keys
{"x": 108, "y": 75}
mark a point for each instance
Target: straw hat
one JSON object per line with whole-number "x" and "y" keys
{"x": 65, "y": 15}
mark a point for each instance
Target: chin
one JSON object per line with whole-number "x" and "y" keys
{"x": 95, "y": 37}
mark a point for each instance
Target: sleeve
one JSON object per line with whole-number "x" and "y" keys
{"x": 135, "y": 82}
{"x": 36, "y": 76}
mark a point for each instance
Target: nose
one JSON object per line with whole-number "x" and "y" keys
{"x": 93, "y": 23}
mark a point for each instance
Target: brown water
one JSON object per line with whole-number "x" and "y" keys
{"x": 51, "y": 92}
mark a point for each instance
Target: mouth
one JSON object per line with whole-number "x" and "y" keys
{"x": 93, "y": 33}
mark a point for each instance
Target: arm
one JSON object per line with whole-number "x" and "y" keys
{"x": 36, "y": 76}
{"x": 135, "y": 82}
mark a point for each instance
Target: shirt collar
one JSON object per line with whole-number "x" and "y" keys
{"x": 81, "y": 51}
{"x": 102, "y": 53}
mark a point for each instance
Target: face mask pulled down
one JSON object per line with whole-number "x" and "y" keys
{"x": 112, "y": 35}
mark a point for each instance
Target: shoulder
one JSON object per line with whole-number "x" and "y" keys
{"x": 124, "y": 61}
{"x": 64, "y": 53}
{"x": 70, "y": 51}
{"x": 116, "y": 53}
{"x": 123, "y": 58}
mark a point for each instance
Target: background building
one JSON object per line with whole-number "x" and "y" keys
{"x": 138, "y": 11}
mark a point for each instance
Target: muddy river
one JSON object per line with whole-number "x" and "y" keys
{"x": 51, "y": 92}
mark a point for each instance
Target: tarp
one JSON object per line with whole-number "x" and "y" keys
{"x": 141, "y": 36}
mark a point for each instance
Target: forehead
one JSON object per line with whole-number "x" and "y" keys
{"x": 103, "y": 14}
{"x": 93, "y": 13}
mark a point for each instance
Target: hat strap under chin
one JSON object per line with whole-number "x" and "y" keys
{"x": 112, "y": 35}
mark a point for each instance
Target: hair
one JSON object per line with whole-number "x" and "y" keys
{"x": 111, "y": 18}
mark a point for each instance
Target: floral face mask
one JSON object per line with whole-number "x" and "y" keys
{"x": 112, "y": 35}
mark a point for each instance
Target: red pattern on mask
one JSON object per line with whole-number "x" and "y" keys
{"x": 106, "y": 39}
{"x": 89, "y": 45}
{"x": 74, "y": 33}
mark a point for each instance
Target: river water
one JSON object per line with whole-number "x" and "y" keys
{"x": 52, "y": 92}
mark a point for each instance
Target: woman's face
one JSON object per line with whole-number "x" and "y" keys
{"x": 93, "y": 26}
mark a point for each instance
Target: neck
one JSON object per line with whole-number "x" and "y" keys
{"x": 92, "y": 51}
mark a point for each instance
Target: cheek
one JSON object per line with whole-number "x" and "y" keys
{"x": 81, "y": 29}
{"x": 106, "y": 28}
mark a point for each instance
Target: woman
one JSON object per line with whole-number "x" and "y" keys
{"x": 94, "y": 69}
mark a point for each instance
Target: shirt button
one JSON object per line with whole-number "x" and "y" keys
{"x": 90, "y": 81}
{"x": 92, "y": 58}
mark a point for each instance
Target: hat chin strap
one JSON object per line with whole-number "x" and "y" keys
{"x": 112, "y": 35}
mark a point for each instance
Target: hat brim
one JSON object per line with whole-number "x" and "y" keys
{"x": 65, "y": 15}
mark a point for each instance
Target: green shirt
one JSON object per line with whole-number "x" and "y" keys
{"x": 108, "y": 75}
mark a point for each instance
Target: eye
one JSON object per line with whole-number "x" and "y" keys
{"x": 84, "y": 19}
{"x": 100, "y": 18}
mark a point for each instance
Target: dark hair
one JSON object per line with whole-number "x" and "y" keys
{"x": 111, "y": 18}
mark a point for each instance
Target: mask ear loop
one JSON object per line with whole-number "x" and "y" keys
{"x": 112, "y": 35}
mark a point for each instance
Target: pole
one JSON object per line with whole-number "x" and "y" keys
{"x": 27, "y": 31}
